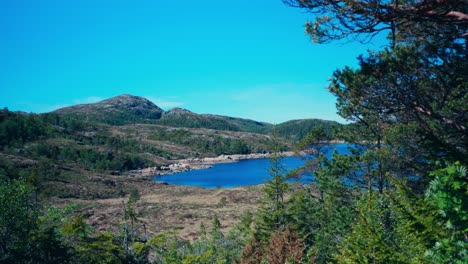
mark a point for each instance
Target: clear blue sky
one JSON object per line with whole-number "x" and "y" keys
{"x": 246, "y": 58}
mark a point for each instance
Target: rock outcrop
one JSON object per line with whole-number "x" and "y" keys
{"x": 197, "y": 164}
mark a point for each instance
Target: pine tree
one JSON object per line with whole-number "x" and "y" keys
{"x": 273, "y": 214}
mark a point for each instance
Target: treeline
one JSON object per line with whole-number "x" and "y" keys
{"x": 21, "y": 128}
{"x": 89, "y": 158}
{"x": 17, "y": 129}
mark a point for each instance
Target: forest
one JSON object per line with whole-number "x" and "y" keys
{"x": 400, "y": 196}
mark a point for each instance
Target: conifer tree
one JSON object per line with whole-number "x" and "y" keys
{"x": 273, "y": 210}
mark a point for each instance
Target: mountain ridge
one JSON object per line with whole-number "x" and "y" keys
{"x": 130, "y": 109}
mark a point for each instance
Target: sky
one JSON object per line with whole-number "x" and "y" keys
{"x": 245, "y": 58}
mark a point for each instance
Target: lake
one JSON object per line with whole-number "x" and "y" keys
{"x": 235, "y": 174}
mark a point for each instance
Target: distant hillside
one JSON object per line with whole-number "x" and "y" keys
{"x": 128, "y": 109}
{"x": 298, "y": 129}
{"x": 248, "y": 125}
{"x": 179, "y": 117}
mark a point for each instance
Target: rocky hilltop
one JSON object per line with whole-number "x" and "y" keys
{"x": 122, "y": 109}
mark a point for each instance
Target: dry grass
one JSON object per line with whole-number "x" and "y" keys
{"x": 172, "y": 208}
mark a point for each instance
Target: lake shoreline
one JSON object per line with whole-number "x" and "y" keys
{"x": 190, "y": 164}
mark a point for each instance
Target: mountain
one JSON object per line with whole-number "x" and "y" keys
{"x": 119, "y": 110}
{"x": 128, "y": 109}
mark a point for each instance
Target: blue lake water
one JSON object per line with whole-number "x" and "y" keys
{"x": 235, "y": 174}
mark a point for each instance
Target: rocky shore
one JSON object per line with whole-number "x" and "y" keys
{"x": 197, "y": 164}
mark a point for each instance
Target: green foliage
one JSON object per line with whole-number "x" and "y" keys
{"x": 392, "y": 86}
{"x": 402, "y": 227}
{"x": 27, "y": 236}
{"x": 17, "y": 129}
{"x": 323, "y": 214}
{"x": 8, "y": 170}
{"x": 91, "y": 158}
{"x": 76, "y": 229}
{"x": 49, "y": 245}
{"x": 448, "y": 194}
{"x": 134, "y": 196}
{"x": 18, "y": 220}
{"x": 104, "y": 248}
{"x": 373, "y": 239}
